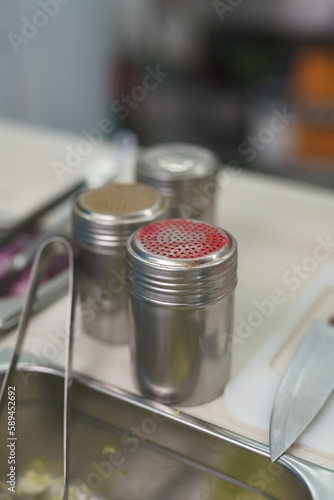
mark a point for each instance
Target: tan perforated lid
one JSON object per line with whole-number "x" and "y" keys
{"x": 120, "y": 199}
{"x": 104, "y": 218}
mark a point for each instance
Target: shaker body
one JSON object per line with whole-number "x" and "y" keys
{"x": 181, "y": 355}
{"x": 103, "y": 292}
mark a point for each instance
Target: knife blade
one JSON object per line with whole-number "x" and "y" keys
{"x": 304, "y": 388}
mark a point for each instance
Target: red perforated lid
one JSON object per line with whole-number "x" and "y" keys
{"x": 181, "y": 261}
{"x": 181, "y": 239}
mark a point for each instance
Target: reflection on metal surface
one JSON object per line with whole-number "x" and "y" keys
{"x": 155, "y": 454}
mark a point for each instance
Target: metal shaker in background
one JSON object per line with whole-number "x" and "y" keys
{"x": 103, "y": 219}
{"x": 183, "y": 173}
{"x": 181, "y": 276}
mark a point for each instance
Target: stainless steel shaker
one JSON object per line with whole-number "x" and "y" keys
{"x": 185, "y": 174}
{"x": 103, "y": 219}
{"x": 181, "y": 276}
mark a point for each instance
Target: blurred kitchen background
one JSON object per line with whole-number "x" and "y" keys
{"x": 251, "y": 79}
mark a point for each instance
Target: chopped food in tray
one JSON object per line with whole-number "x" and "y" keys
{"x": 38, "y": 483}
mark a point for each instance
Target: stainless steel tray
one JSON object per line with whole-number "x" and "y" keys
{"x": 155, "y": 453}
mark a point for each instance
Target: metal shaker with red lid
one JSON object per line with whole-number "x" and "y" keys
{"x": 181, "y": 277}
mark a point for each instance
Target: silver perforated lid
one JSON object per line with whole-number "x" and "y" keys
{"x": 176, "y": 162}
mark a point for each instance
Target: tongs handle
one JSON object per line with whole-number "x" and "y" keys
{"x": 46, "y": 251}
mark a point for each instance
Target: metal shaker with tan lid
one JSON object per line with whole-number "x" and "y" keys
{"x": 183, "y": 173}
{"x": 103, "y": 220}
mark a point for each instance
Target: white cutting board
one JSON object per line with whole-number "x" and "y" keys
{"x": 250, "y": 394}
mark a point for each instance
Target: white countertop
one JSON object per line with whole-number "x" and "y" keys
{"x": 277, "y": 224}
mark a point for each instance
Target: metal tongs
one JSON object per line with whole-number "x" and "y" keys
{"x": 44, "y": 254}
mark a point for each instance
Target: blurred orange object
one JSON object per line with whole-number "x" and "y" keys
{"x": 313, "y": 76}
{"x": 312, "y": 87}
{"x": 315, "y": 142}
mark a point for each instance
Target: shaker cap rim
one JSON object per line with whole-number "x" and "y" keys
{"x": 119, "y": 204}
{"x": 181, "y": 244}
{"x": 177, "y": 162}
